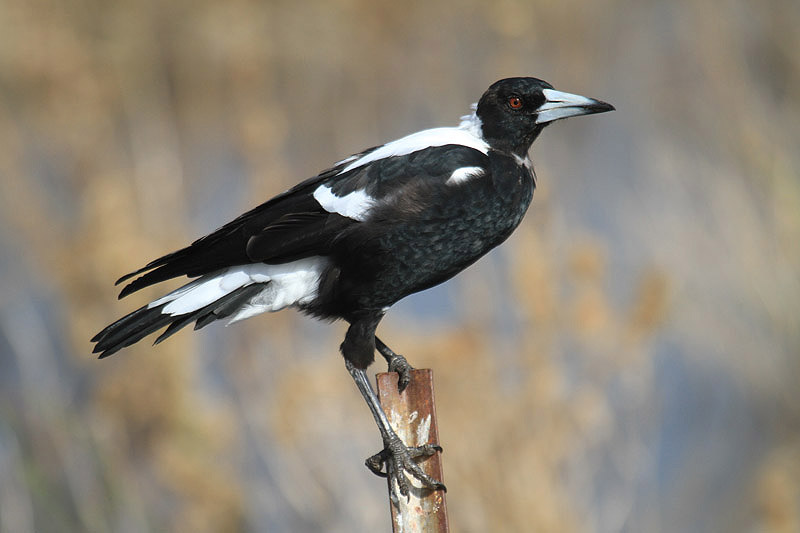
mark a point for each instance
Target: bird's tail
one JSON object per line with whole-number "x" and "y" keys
{"x": 135, "y": 326}
{"x": 234, "y": 293}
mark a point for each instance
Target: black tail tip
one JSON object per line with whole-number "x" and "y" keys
{"x": 102, "y": 349}
{"x": 104, "y": 353}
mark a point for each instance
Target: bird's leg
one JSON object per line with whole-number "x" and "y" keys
{"x": 358, "y": 350}
{"x": 395, "y": 456}
{"x": 397, "y": 363}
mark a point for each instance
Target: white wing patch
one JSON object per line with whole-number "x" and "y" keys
{"x": 464, "y": 136}
{"x": 355, "y": 205}
{"x": 293, "y": 283}
{"x": 462, "y": 174}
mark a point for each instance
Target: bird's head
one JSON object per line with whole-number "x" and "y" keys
{"x": 513, "y": 111}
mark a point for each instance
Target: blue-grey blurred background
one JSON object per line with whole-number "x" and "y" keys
{"x": 627, "y": 361}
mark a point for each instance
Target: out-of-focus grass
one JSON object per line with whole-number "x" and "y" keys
{"x": 628, "y": 361}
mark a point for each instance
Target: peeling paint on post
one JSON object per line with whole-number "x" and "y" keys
{"x": 413, "y": 416}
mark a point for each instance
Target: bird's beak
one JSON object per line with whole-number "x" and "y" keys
{"x": 560, "y": 105}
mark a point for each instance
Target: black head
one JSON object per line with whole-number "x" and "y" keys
{"x": 514, "y": 111}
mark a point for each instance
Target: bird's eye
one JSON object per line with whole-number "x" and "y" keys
{"x": 515, "y": 102}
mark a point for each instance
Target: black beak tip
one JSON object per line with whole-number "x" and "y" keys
{"x": 603, "y": 107}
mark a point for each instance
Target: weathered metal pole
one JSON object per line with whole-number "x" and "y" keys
{"x": 413, "y": 417}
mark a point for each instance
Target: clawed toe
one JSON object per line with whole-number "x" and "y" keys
{"x": 403, "y": 369}
{"x": 396, "y": 459}
{"x": 397, "y": 363}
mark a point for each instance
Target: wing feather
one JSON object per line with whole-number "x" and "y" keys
{"x": 294, "y": 224}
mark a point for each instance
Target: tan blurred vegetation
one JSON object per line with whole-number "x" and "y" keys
{"x": 627, "y": 362}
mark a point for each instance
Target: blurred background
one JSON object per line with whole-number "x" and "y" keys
{"x": 627, "y": 361}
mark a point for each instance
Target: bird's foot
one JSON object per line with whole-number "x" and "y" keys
{"x": 398, "y": 363}
{"x": 397, "y": 459}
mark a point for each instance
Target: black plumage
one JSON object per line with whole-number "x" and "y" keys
{"x": 350, "y": 242}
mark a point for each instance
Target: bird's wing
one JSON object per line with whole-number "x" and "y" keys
{"x": 307, "y": 219}
{"x": 228, "y": 245}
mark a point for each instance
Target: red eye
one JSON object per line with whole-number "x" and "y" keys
{"x": 515, "y": 102}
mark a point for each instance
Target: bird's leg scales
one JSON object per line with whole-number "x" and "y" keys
{"x": 397, "y": 363}
{"x": 396, "y": 458}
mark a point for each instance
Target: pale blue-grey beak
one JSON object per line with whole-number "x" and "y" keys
{"x": 560, "y": 105}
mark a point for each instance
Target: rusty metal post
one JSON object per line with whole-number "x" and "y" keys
{"x": 413, "y": 417}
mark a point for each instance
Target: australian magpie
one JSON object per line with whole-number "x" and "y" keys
{"x": 350, "y": 242}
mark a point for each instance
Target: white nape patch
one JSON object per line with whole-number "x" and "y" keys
{"x": 561, "y": 105}
{"x": 287, "y": 284}
{"x": 355, "y": 205}
{"x": 465, "y": 136}
{"x": 472, "y": 123}
{"x": 462, "y": 174}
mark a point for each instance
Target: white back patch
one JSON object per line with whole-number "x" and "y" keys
{"x": 354, "y": 205}
{"x": 420, "y": 141}
{"x": 462, "y": 174}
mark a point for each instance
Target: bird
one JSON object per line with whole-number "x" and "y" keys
{"x": 350, "y": 242}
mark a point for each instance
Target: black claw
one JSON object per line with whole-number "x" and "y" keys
{"x": 398, "y": 459}
{"x": 397, "y": 363}
{"x": 376, "y": 462}
{"x": 426, "y": 450}
{"x": 403, "y": 369}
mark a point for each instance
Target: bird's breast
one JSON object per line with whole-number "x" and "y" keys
{"x": 402, "y": 249}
